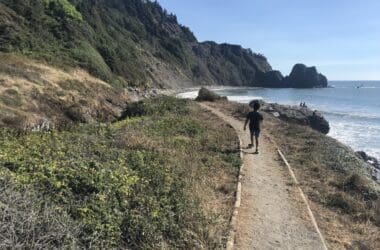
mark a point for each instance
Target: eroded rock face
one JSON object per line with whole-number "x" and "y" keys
{"x": 228, "y": 64}
{"x": 305, "y": 77}
{"x": 273, "y": 79}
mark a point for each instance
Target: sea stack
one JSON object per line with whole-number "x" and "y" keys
{"x": 305, "y": 77}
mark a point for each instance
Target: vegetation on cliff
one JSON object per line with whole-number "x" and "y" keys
{"x": 131, "y": 42}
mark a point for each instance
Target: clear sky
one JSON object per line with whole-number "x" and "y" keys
{"x": 340, "y": 37}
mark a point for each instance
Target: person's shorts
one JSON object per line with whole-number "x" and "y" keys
{"x": 255, "y": 132}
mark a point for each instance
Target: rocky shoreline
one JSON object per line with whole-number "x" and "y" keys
{"x": 299, "y": 115}
{"x": 315, "y": 120}
{"x": 371, "y": 161}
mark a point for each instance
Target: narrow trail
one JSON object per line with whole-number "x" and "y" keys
{"x": 271, "y": 215}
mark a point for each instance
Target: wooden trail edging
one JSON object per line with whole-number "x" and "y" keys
{"x": 233, "y": 221}
{"x": 302, "y": 194}
{"x": 305, "y": 200}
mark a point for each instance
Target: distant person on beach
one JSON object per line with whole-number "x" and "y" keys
{"x": 254, "y": 118}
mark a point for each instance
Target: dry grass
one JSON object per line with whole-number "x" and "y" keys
{"x": 32, "y": 92}
{"x": 29, "y": 221}
{"x": 214, "y": 184}
{"x": 343, "y": 196}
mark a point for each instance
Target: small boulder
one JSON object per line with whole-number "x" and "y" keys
{"x": 206, "y": 95}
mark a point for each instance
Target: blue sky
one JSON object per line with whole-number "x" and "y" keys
{"x": 340, "y": 37}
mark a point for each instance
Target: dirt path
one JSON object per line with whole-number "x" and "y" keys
{"x": 272, "y": 215}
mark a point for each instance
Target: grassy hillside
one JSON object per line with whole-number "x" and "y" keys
{"x": 130, "y": 42}
{"x": 36, "y": 96}
{"x": 164, "y": 177}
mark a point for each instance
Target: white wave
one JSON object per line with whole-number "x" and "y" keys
{"x": 359, "y": 136}
{"x": 188, "y": 95}
{"x": 244, "y": 99}
{"x": 352, "y": 115}
{"x": 193, "y": 93}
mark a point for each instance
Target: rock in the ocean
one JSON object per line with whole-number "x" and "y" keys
{"x": 323, "y": 81}
{"x": 206, "y": 95}
{"x": 305, "y": 77}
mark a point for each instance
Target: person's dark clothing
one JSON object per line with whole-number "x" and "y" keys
{"x": 255, "y": 119}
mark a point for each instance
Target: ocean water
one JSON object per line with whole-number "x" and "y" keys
{"x": 353, "y": 113}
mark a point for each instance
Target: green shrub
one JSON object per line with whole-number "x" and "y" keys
{"x": 89, "y": 58}
{"x": 341, "y": 201}
{"x": 157, "y": 106}
{"x": 63, "y": 8}
{"x": 358, "y": 184}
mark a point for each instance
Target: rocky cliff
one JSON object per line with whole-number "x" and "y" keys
{"x": 130, "y": 43}
{"x": 126, "y": 43}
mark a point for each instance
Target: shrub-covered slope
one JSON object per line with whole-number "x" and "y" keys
{"x": 164, "y": 178}
{"x": 130, "y": 42}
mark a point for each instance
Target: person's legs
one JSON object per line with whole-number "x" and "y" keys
{"x": 252, "y": 135}
{"x": 257, "y": 135}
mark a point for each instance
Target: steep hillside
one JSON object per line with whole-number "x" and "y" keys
{"x": 38, "y": 97}
{"x": 130, "y": 42}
